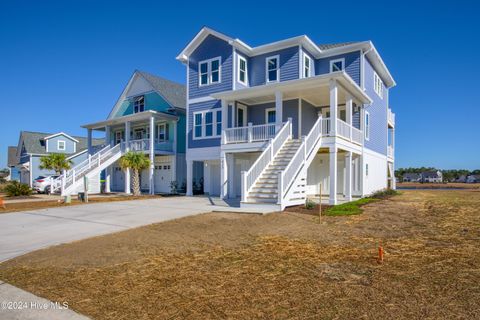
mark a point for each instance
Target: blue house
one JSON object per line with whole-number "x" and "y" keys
{"x": 277, "y": 123}
{"x": 148, "y": 117}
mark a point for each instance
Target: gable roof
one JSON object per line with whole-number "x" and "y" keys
{"x": 175, "y": 94}
{"x": 431, "y": 174}
{"x": 318, "y": 51}
{"x": 411, "y": 175}
{"x": 34, "y": 142}
{"x": 12, "y": 156}
{"x": 61, "y": 134}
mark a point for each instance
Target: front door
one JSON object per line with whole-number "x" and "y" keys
{"x": 241, "y": 115}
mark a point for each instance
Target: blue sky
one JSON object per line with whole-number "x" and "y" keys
{"x": 64, "y": 64}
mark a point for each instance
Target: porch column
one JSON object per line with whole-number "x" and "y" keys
{"x": 108, "y": 174}
{"x": 333, "y": 175}
{"x": 231, "y": 168}
{"x": 152, "y": 155}
{"x": 89, "y": 141}
{"x": 348, "y": 178}
{"x": 224, "y": 118}
{"x": 333, "y": 107}
{"x": 223, "y": 175}
{"x": 108, "y": 135}
{"x": 127, "y": 148}
{"x": 189, "y": 178}
{"x": 174, "y": 162}
{"x": 278, "y": 109}
{"x": 348, "y": 112}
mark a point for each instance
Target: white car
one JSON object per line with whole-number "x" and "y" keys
{"x": 42, "y": 184}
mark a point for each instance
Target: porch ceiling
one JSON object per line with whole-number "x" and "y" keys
{"x": 132, "y": 118}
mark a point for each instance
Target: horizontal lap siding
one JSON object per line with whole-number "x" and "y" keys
{"x": 201, "y": 143}
{"x": 352, "y": 65}
{"x": 256, "y": 113}
{"x": 52, "y": 145}
{"x": 378, "y": 114}
{"x": 289, "y": 61}
{"x": 211, "y": 47}
{"x": 309, "y": 117}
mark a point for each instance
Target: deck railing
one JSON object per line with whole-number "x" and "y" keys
{"x": 144, "y": 145}
{"x": 390, "y": 152}
{"x": 390, "y": 116}
{"x": 250, "y": 133}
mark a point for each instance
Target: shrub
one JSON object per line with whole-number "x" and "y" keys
{"x": 384, "y": 194}
{"x": 309, "y": 204}
{"x": 15, "y": 188}
{"x": 174, "y": 187}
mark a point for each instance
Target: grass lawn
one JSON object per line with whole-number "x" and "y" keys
{"x": 279, "y": 266}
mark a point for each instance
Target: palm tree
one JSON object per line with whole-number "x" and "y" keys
{"x": 136, "y": 161}
{"x": 56, "y": 162}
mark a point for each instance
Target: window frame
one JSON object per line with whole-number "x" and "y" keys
{"x": 64, "y": 145}
{"x": 241, "y": 58}
{"x": 135, "y": 100}
{"x": 306, "y": 57}
{"x": 367, "y": 125}
{"x": 203, "y": 124}
{"x": 332, "y": 62}
{"x": 377, "y": 85}
{"x": 267, "y": 59}
{"x": 209, "y": 71}
{"x": 164, "y": 125}
{"x": 266, "y": 115}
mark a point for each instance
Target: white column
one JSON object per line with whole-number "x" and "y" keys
{"x": 89, "y": 141}
{"x": 174, "y": 162}
{"x": 333, "y": 106}
{"x": 230, "y": 173}
{"x": 108, "y": 135}
{"x": 333, "y": 175}
{"x": 152, "y": 155}
{"x": 224, "y": 119}
{"x": 108, "y": 179}
{"x": 278, "y": 109}
{"x": 348, "y": 112}
{"x": 189, "y": 177}
{"x": 127, "y": 148}
{"x": 223, "y": 175}
{"x": 348, "y": 178}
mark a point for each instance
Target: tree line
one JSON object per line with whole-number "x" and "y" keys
{"x": 448, "y": 175}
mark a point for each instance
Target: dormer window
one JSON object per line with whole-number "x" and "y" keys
{"x": 337, "y": 65}
{"x": 139, "y": 104}
{"x": 209, "y": 71}
{"x": 272, "y": 69}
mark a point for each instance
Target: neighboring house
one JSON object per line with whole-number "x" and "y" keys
{"x": 432, "y": 176}
{"x": 461, "y": 179}
{"x": 473, "y": 178}
{"x": 148, "y": 117}
{"x": 260, "y": 119}
{"x": 34, "y": 145}
{"x": 12, "y": 164}
{"x": 412, "y": 177}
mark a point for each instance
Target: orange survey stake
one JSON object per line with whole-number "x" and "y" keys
{"x": 380, "y": 254}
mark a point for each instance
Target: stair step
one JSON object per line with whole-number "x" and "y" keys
{"x": 259, "y": 195}
{"x": 268, "y": 180}
{"x": 260, "y": 190}
{"x": 261, "y": 200}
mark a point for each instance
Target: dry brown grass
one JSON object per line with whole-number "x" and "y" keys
{"x": 281, "y": 266}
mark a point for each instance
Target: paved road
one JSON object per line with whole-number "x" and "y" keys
{"x": 22, "y": 232}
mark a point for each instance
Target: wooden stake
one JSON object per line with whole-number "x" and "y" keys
{"x": 380, "y": 253}
{"x": 2, "y": 203}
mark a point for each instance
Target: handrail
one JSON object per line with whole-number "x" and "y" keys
{"x": 303, "y": 153}
{"x": 250, "y": 133}
{"x": 251, "y": 176}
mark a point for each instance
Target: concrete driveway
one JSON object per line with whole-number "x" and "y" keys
{"x": 22, "y": 232}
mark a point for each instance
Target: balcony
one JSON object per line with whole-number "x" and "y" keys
{"x": 390, "y": 152}
{"x": 144, "y": 145}
{"x": 391, "y": 117}
{"x": 249, "y": 134}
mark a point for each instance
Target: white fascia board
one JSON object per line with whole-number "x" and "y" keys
{"x": 201, "y": 35}
{"x": 122, "y": 95}
{"x": 60, "y": 134}
{"x": 145, "y": 115}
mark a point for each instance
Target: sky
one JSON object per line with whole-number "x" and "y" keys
{"x": 64, "y": 63}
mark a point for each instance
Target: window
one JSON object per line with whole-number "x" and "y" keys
{"x": 139, "y": 104}
{"x": 61, "y": 145}
{"x": 207, "y": 124}
{"x": 270, "y": 115}
{"x": 209, "y": 72}
{"x": 272, "y": 69}
{"x": 118, "y": 137}
{"x": 367, "y": 126}
{"x": 241, "y": 115}
{"x": 242, "y": 70}
{"x": 162, "y": 132}
{"x": 307, "y": 66}
{"x": 337, "y": 65}
{"x": 378, "y": 85}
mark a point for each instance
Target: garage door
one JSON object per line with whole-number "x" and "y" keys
{"x": 163, "y": 177}
{"x": 118, "y": 183}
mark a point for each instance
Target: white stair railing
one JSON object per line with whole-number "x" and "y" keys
{"x": 250, "y": 177}
{"x": 302, "y": 157}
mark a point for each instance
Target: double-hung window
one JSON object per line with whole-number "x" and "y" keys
{"x": 207, "y": 124}
{"x": 272, "y": 69}
{"x": 138, "y": 104}
{"x": 378, "y": 85}
{"x": 307, "y": 66}
{"x": 242, "y": 70}
{"x": 61, "y": 145}
{"x": 367, "y": 125}
{"x": 209, "y": 71}
{"x": 162, "y": 132}
{"x": 337, "y": 65}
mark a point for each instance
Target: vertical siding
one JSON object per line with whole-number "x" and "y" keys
{"x": 210, "y": 48}
{"x": 289, "y": 60}
{"x": 201, "y": 143}
{"x": 378, "y": 114}
{"x": 352, "y": 65}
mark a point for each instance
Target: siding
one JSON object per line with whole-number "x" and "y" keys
{"x": 289, "y": 61}
{"x": 378, "y": 114}
{"x": 52, "y": 145}
{"x": 256, "y": 113}
{"x": 211, "y": 47}
{"x": 352, "y": 65}
{"x": 201, "y": 143}
{"x": 153, "y": 101}
{"x": 309, "y": 117}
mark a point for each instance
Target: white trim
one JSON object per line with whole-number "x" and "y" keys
{"x": 137, "y": 98}
{"x": 64, "y": 145}
{"x": 300, "y": 107}
{"x": 204, "y": 126}
{"x": 266, "y": 114}
{"x": 202, "y": 154}
{"x": 377, "y": 85}
{"x": 164, "y": 125}
{"x": 267, "y": 59}
{"x": 187, "y": 107}
{"x": 234, "y": 68}
{"x": 239, "y": 58}
{"x": 310, "y": 68}
{"x": 61, "y": 133}
{"x": 241, "y": 106}
{"x": 342, "y": 60}
{"x": 209, "y": 71}
{"x": 367, "y": 125}
{"x": 199, "y": 100}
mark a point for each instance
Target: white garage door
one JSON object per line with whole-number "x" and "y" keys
{"x": 163, "y": 177}
{"x": 118, "y": 183}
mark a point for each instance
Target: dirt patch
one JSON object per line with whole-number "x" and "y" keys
{"x": 279, "y": 266}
